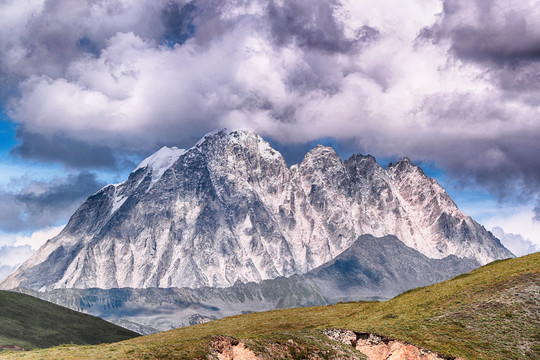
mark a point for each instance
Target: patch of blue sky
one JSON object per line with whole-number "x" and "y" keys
{"x": 15, "y": 175}
{"x": 86, "y": 45}
{"x": 113, "y": 176}
{"x": 179, "y": 26}
{"x": 128, "y": 163}
{"x": 7, "y": 135}
{"x": 12, "y": 168}
{"x": 473, "y": 200}
{"x": 16, "y": 172}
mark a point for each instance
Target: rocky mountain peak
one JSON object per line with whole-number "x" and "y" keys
{"x": 225, "y": 143}
{"x": 363, "y": 164}
{"x": 405, "y": 166}
{"x": 321, "y": 159}
{"x": 320, "y": 151}
{"x": 160, "y": 161}
{"x": 229, "y": 209}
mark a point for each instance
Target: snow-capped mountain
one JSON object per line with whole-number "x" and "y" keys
{"x": 229, "y": 209}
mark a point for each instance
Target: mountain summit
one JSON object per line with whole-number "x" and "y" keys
{"x": 229, "y": 209}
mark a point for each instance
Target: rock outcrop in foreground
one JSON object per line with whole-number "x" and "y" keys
{"x": 377, "y": 347}
{"x": 374, "y": 347}
{"x": 229, "y": 209}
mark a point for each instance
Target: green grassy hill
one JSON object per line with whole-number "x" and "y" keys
{"x": 30, "y": 323}
{"x": 490, "y": 313}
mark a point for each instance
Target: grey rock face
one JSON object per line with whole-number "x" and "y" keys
{"x": 372, "y": 268}
{"x": 158, "y": 309}
{"x": 382, "y": 267}
{"x": 229, "y": 209}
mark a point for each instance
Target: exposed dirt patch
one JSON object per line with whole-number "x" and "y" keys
{"x": 377, "y": 347}
{"x": 228, "y": 348}
{"x": 314, "y": 346}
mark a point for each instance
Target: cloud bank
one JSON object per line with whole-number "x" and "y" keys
{"x": 516, "y": 224}
{"x": 515, "y": 242}
{"x": 15, "y": 249}
{"x": 40, "y": 204}
{"x": 11, "y": 257}
{"x": 453, "y": 82}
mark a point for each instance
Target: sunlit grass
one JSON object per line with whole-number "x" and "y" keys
{"x": 490, "y": 313}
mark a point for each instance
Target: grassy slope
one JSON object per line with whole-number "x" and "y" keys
{"x": 491, "y": 313}
{"x": 29, "y": 323}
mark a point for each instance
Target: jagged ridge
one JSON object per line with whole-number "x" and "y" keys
{"x": 229, "y": 209}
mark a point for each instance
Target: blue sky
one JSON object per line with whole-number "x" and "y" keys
{"x": 7, "y": 133}
{"x": 13, "y": 167}
{"x": 90, "y": 88}
{"x": 474, "y": 200}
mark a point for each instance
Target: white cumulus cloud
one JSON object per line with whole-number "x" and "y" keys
{"x": 518, "y": 231}
{"x": 452, "y": 82}
{"x": 16, "y": 249}
{"x": 38, "y": 238}
{"x": 515, "y": 242}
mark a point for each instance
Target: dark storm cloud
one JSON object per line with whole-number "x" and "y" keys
{"x": 497, "y": 164}
{"x": 92, "y": 79}
{"x": 508, "y": 45}
{"x": 42, "y": 204}
{"x": 308, "y": 23}
{"x": 504, "y": 38}
{"x": 61, "y": 148}
{"x": 498, "y": 33}
{"x": 501, "y": 156}
{"x": 61, "y": 30}
{"x": 46, "y": 39}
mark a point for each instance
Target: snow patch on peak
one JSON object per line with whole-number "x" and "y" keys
{"x": 266, "y": 151}
{"x": 118, "y": 201}
{"x": 160, "y": 161}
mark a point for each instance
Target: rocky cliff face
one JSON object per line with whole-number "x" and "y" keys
{"x": 377, "y": 347}
{"x": 371, "y": 268}
{"x": 381, "y": 268}
{"x": 229, "y": 209}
